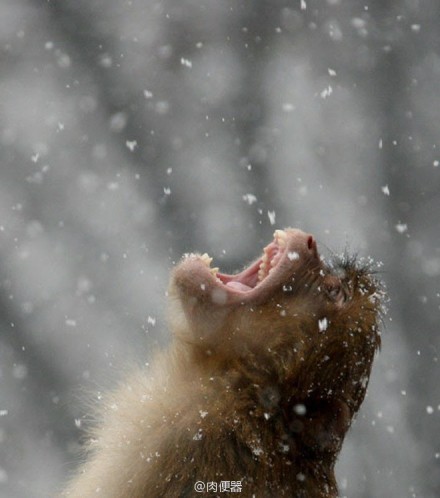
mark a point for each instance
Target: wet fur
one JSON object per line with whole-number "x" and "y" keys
{"x": 226, "y": 402}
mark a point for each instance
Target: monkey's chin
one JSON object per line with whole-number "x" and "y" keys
{"x": 290, "y": 253}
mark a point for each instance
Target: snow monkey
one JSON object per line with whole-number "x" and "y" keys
{"x": 255, "y": 395}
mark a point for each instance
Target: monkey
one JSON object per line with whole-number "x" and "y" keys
{"x": 254, "y": 396}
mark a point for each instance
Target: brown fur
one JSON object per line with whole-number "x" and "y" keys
{"x": 252, "y": 392}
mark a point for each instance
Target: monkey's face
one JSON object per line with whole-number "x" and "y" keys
{"x": 312, "y": 325}
{"x": 212, "y": 300}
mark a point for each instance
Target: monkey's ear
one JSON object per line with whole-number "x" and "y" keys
{"x": 325, "y": 425}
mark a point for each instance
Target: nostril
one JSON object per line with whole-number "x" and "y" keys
{"x": 311, "y": 245}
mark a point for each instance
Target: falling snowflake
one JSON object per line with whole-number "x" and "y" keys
{"x": 323, "y": 324}
{"x": 131, "y": 144}
{"x": 271, "y": 215}
{"x": 326, "y": 92}
{"x": 293, "y": 255}
{"x": 401, "y": 227}
{"x": 386, "y": 190}
{"x": 186, "y": 62}
{"x": 250, "y": 199}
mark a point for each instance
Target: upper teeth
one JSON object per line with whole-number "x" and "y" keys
{"x": 280, "y": 237}
{"x": 208, "y": 260}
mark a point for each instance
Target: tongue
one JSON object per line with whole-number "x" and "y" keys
{"x": 239, "y": 286}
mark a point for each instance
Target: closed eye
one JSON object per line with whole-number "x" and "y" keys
{"x": 334, "y": 290}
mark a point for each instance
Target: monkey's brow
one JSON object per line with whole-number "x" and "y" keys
{"x": 355, "y": 266}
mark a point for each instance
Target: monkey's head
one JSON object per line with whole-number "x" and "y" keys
{"x": 289, "y": 320}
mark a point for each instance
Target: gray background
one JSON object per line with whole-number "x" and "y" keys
{"x": 133, "y": 131}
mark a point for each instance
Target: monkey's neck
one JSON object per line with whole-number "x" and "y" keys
{"x": 290, "y": 442}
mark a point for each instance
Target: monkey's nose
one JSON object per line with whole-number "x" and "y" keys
{"x": 302, "y": 242}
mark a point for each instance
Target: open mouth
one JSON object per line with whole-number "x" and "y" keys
{"x": 289, "y": 251}
{"x": 252, "y": 276}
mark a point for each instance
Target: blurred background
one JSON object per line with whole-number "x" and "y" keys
{"x": 132, "y": 131}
